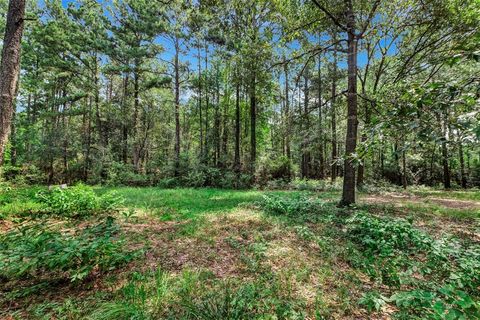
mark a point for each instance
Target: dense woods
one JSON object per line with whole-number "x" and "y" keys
{"x": 240, "y": 159}
{"x": 237, "y": 93}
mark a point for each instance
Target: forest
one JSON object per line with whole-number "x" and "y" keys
{"x": 240, "y": 159}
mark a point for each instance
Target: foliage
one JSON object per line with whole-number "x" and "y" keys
{"x": 300, "y": 207}
{"x": 38, "y": 251}
{"x": 119, "y": 174}
{"x": 277, "y": 169}
{"x": 449, "y": 271}
{"x": 196, "y": 295}
{"x": 77, "y": 201}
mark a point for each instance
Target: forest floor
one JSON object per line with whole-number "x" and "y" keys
{"x": 223, "y": 254}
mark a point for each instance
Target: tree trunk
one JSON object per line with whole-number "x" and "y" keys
{"x": 445, "y": 160}
{"x": 253, "y": 123}
{"x": 462, "y": 165}
{"x": 334, "y": 116}
{"x": 10, "y": 68}
{"x": 177, "y": 108}
{"x": 237, "y": 125}
{"x": 200, "y": 103}
{"x": 361, "y": 166}
{"x": 404, "y": 171}
{"x": 348, "y": 195}
{"x": 287, "y": 113}
{"x": 125, "y": 119}
{"x": 136, "y": 117}
{"x": 305, "y": 132}
{"x": 321, "y": 158}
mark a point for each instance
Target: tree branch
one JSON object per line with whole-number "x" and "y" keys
{"x": 331, "y": 16}
{"x": 369, "y": 19}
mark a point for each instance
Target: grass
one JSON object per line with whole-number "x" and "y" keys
{"x": 191, "y": 203}
{"x": 223, "y": 254}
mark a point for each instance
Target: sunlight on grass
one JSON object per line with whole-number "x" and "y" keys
{"x": 189, "y": 203}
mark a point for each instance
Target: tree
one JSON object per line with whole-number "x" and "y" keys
{"x": 347, "y": 23}
{"x": 10, "y": 68}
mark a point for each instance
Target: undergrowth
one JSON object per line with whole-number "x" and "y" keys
{"x": 40, "y": 252}
{"x": 430, "y": 278}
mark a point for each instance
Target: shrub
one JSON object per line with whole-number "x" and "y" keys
{"x": 77, "y": 201}
{"x": 316, "y": 185}
{"x": 39, "y": 251}
{"x": 299, "y": 207}
{"x": 448, "y": 271}
{"x": 385, "y": 236}
{"x": 18, "y": 201}
{"x": 272, "y": 169}
{"x": 120, "y": 174}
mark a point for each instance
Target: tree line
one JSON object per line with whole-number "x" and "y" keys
{"x": 231, "y": 93}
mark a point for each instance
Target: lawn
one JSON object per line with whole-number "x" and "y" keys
{"x": 225, "y": 254}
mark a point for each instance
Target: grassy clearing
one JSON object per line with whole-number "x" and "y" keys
{"x": 222, "y": 254}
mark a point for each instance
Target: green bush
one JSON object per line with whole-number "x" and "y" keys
{"x": 18, "y": 201}
{"x": 120, "y": 174}
{"x": 268, "y": 169}
{"x": 299, "y": 207}
{"x": 38, "y": 251}
{"x": 77, "y": 201}
{"x": 393, "y": 249}
{"x": 316, "y": 185}
{"x": 385, "y": 237}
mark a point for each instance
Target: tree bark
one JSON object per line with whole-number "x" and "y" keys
{"x": 348, "y": 195}
{"x": 404, "y": 170}
{"x": 305, "y": 132}
{"x": 10, "y": 68}
{"x": 321, "y": 158}
{"x": 334, "y": 120}
{"x": 177, "y": 108}
{"x": 200, "y": 102}
{"x": 125, "y": 119}
{"x": 253, "y": 123}
{"x": 136, "y": 116}
{"x": 237, "y": 125}
{"x": 445, "y": 160}
{"x": 287, "y": 113}
{"x": 462, "y": 165}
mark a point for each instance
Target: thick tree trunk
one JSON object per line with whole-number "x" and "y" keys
{"x": 348, "y": 195}
{"x": 13, "y": 140}
{"x": 10, "y": 68}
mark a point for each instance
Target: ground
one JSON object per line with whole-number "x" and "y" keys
{"x": 216, "y": 254}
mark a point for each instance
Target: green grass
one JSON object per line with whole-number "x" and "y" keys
{"x": 222, "y": 254}
{"x": 191, "y": 203}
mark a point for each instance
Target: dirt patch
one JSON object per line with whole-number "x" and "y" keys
{"x": 434, "y": 224}
{"x": 207, "y": 249}
{"x": 402, "y": 199}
